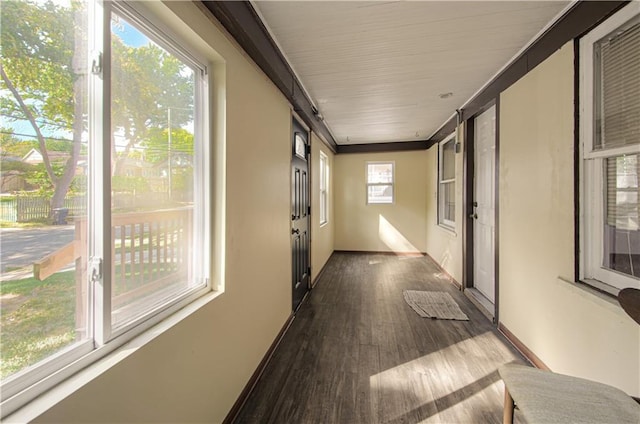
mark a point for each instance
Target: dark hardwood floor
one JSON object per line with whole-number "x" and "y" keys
{"x": 357, "y": 353}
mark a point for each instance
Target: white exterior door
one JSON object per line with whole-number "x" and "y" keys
{"x": 484, "y": 210}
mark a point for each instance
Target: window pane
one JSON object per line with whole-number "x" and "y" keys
{"x": 43, "y": 290}
{"x": 448, "y": 160}
{"x": 617, "y": 88}
{"x": 153, "y": 174}
{"x": 380, "y": 173}
{"x": 621, "y": 230}
{"x": 380, "y": 194}
{"x": 448, "y": 203}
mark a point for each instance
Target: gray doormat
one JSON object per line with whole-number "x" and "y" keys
{"x": 436, "y": 305}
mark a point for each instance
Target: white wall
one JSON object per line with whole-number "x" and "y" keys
{"x": 322, "y": 237}
{"x": 397, "y": 227}
{"x": 570, "y": 329}
{"x": 195, "y": 371}
{"x": 444, "y": 245}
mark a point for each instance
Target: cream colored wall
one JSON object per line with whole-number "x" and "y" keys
{"x": 399, "y": 227}
{"x": 195, "y": 371}
{"x": 444, "y": 245}
{"x": 570, "y": 329}
{"x": 322, "y": 237}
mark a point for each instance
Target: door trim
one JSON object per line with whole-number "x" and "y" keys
{"x": 468, "y": 164}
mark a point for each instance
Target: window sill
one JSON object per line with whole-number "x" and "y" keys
{"x": 31, "y": 410}
{"x": 448, "y": 229}
{"x": 595, "y": 289}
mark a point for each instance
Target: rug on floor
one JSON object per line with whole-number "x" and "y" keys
{"x": 435, "y": 305}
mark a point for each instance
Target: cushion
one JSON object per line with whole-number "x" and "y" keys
{"x": 546, "y": 397}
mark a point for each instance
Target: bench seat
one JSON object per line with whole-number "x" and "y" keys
{"x": 547, "y": 397}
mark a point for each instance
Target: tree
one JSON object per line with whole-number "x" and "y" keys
{"x": 43, "y": 66}
{"x": 151, "y": 90}
{"x": 157, "y": 144}
{"x": 13, "y": 147}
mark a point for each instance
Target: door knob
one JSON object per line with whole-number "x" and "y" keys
{"x": 473, "y": 216}
{"x": 295, "y": 231}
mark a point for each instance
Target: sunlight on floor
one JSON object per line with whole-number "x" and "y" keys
{"x": 393, "y": 239}
{"x": 446, "y": 376}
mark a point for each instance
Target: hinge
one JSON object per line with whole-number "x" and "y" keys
{"x": 95, "y": 269}
{"x": 309, "y": 210}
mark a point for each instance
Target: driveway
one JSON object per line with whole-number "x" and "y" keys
{"x": 20, "y": 247}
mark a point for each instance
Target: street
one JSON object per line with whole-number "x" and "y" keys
{"x": 21, "y": 247}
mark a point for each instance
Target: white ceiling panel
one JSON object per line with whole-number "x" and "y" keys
{"x": 376, "y": 70}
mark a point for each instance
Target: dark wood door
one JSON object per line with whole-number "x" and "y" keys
{"x": 300, "y": 213}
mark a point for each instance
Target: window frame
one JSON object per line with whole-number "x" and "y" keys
{"x": 25, "y": 385}
{"x": 592, "y": 165}
{"x": 392, "y": 183}
{"x": 324, "y": 188}
{"x": 442, "y": 221}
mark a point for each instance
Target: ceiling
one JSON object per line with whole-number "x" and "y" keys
{"x": 396, "y": 71}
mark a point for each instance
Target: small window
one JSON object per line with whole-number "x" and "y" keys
{"x": 324, "y": 189}
{"x": 447, "y": 182}
{"x": 610, "y": 112}
{"x": 380, "y": 177}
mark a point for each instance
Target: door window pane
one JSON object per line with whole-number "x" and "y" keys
{"x": 153, "y": 166}
{"x": 43, "y": 290}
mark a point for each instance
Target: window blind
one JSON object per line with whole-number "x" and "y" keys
{"x": 617, "y": 88}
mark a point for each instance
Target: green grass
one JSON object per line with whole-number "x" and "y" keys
{"x": 37, "y": 318}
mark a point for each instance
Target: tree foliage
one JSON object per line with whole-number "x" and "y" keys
{"x": 157, "y": 144}
{"x": 37, "y": 52}
{"x": 44, "y": 59}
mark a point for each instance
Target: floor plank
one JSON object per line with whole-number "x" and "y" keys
{"x": 357, "y": 353}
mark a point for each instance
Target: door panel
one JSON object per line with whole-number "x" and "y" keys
{"x": 299, "y": 214}
{"x": 484, "y": 210}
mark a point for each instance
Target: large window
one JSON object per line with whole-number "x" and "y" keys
{"x": 610, "y": 133}
{"x": 110, "y": 124}
{"x": 324, "y": 189}
{"x": 380, "y": 177}
{"x": 447, "y": 182}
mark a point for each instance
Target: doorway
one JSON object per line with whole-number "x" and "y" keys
{"x": 300, "y": 213}
{"x": 481, "y": 194}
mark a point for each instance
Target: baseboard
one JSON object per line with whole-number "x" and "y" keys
{"x": 237, "y": 406}
{"x": 444, "y": 271}
{"x": 315, "y": 280}
{"x": 522, "y": 348}
{"x": 381, "y": 252}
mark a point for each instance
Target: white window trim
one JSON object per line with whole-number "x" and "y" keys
{"x": 33, "y": 381}
{"x": 442, "y": 222}
{"x": 392, "y": 183}
{"x": 324, "y": 189}
{"x": 592, "y": 167}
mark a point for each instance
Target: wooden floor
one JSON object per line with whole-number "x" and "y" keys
{"x": 356, "y": 353}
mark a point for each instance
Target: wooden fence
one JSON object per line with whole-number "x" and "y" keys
{"x": 151, "y": 253}
{"x": 33, "y": 208}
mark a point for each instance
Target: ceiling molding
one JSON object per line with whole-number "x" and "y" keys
{"x": 243, "y": 23}
{"x": 578, "y": 20}
{"x": 399, "y": 146}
